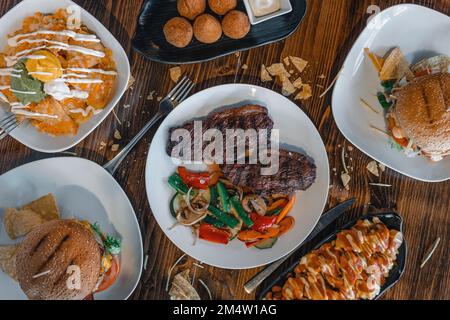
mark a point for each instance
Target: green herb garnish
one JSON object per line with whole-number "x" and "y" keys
{"x": 25, "y": 88}
{"x": 384, "y": 103}
{"x": 111, "y": 244}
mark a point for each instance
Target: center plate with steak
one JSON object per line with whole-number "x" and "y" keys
{"x": 225, "y": 202}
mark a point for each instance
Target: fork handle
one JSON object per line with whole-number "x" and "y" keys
{"x": 114, "y": 164}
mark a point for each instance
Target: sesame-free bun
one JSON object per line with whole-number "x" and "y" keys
{"x": 236, "y": 24}
{"x": 191, "y": 9}
{"x": 221, "y": 7}
{"x": 422, "y": 111}
{"x": 207, "y": 29}
{"x": 178, "y": 32}
{"x": 49, "y": 250}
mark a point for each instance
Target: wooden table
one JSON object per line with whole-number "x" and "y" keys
{"x": 324, "y": 39}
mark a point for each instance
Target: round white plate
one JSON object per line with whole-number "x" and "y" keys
{"x": 83, "y": 190}
{"x": 295, "y": 129}
{"x": 420, "y": 33}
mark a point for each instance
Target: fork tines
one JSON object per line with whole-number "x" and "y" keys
{"x": 7, "y": 125}
{"x": 181, "y": 90}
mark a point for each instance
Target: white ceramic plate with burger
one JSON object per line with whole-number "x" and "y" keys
{"x": 420, "y": 33}
{"x": 297, "y": 134}
{"x": 83, "y": 192}
{"x": 27, "y": 134}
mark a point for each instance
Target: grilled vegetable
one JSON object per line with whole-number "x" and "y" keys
{"x": 224, "y": 197}
{"x": 287, "y": 209}
{"x": 223, "y": 217}
{"x": 262, "y": 223}
{"x": 236, "y": 204}
{"x": 194, "y": 179}
{"x": 177, "y": 183}
{"x": 266, "y": 244}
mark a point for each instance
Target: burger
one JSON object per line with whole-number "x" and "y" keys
{"x": 416, "y": 100}
{"x": 67, "y": 260}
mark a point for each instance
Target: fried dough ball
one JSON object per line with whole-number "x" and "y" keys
{"x": 191, "y": 9}
{"x": 207, "y": 29}
{"x": 221, "y": 7}
{"x": 236, "y": 24}
{"x": 178, "y": 32}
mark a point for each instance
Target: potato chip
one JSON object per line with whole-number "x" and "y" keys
{"x": 46, "y": 207}
{"x": 278, "y": 70}
{"x": 396, "y": 67}
{"x": 20, "y": 223}
{"x": 175, "y": 74}
{"x": 299, "y": 63}
{"x": 305, "y": 94}
{"x": 182, "y": 288}
{"x": 265, "y": 75}
{"x": 8, "y": 260}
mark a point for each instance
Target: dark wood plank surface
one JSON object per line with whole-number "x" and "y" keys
{"x": 324, "y": 39}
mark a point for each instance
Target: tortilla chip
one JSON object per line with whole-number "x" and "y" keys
{"x": 175, "y": 74}
{"x": 377, "y": 61}
{"x": 265, "y": 75}
{"x": 8, "y": 260}
{"x": 305, "y": 94}
{"x": 20, "y": 223}
{"x": 286, "y": 61}
{"x": 278, "y": 70}
{"x": 345, "y": 177}
{"x": 182, "y": 288}
{"x": 298, "y": 83}
{"x": 299, "y": 63}
{"x": 372, "y": 167}
{"x": 46, "y": 207}
{"x": 288, "y": 87}
{"x": 396, "y": 67}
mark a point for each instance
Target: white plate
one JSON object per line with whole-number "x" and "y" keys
{"x": 419, "y": 32}
{"x": 83, "y": 190}
{"x": 295, "y": 129}
{"x": 28, "y": 135}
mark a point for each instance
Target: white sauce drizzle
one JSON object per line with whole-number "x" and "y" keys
{"x": 14, "y": 41}
{"x": 85, "y": 112}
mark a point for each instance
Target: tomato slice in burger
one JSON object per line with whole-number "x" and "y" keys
{"x": 110, "y": 276}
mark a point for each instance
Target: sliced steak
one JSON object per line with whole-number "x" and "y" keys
{"x": 245, "y": 117}
{"x": 296, "y": 172}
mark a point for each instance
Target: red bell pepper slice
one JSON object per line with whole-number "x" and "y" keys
{"x": 262, "y": 223}
{"x": 194, "y": 179}
{"x": 212, "y": 234}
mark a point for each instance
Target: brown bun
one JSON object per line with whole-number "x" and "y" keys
{"x": 191, "y": 8}
{"x": 236, "y": 24}
{"x": 52, "y": 248}
{"x": 221, "y": 7}
{"x": 178, "y": 32}
{"x": 422, "y": 113}
{"x": 207, "y": 29}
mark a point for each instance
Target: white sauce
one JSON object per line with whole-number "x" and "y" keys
{"x": 23, "y": 92}
{"x": 85, "y": 112}
{"x": 33, "y": 114}
{"x": 60, "y": 91}
{"x": 14, "y": 41}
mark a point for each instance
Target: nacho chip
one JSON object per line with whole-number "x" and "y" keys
{"x": 286, "y": 61}
{"x": 20, "y": 223}
{"x": 8, "y": 260}
{"x": 182, "y": 288}
{"x": 377, "y": 61}
{"x": 278, "y": 70}
{"x": 46, "y": 207}
{"x": 305, "y": 94}
{"x": 265, "y": 75}
{"x": 299, "y": 63}
{"x": 372, "y": 167}
{"x": 396, "y": 67}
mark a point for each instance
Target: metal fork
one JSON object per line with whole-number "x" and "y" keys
{"x": 7, "y": 125}
{"x": 174, "y": 98}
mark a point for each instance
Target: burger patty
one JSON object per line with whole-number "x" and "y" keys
{"x": 296, "y": 172}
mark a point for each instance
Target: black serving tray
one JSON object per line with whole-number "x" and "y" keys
{"x": 391, "y": 220}
{"x": 149, "y": 38}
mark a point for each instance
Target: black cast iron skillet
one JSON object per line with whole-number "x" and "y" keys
{"x": 149, "y": 38}
{"x": 391, "y": 220}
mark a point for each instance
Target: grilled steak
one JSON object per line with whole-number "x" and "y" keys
{"x": 245, "y": 117}
{"x": 296, "y": 172}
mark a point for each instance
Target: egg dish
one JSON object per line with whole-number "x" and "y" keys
{"x": 55, "y": 74}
